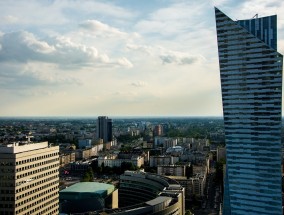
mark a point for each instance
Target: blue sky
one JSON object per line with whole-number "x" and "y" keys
{"x": 116, "y": 58}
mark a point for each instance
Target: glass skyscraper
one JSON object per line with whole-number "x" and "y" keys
{"x": 251, "y": 82}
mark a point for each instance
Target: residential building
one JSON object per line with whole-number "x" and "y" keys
{"x": 221, "y": 153}
{"x": 85, "y": 143}
{"x": 67, "y": 158}
{"x": 197, "y": 144}
{"x": 176, "y": 170}
{"x": 114, "y": 160}
{"x": 192, "y": 178}
{"x": 162, "y": 160}
{"x": 169, "y": 142}
{"x": 29, "y": 178}
{"x": 186, "y": 183}
{"x": 80, "y": 166}
{"x": 87, "y": 153}
{"x": 251, "y": 82}
{"x": 193, "y": 185}
{"x": 198, "y": 182}
{"x": 165, "y": 142}
{"x": 195, "y": 157}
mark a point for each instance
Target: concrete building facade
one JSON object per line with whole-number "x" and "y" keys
{"x": 113, "y": 160}
{"x": 194, "y": 185}
{"x": 162, "y": 160}
{"x": 175, "y": 170}
{"x": 67, "y": 158}
{"x": 29, "y": 178}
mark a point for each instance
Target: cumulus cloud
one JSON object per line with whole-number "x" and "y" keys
{"x": 167, "y": 56}
{"x": 139, "y": 84}
{"x": 19, "y": 76}
{"x": 124, "y": 62}
{"x": 24, "y": 47}
{"x": 21, "y": 46}
{"x": 100, "y": 29}
{"x": 142, "y": 48}
{"x": 179, "y": 58}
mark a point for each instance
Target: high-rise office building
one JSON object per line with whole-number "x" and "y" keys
{"x": 29, "y": 179}
{"x": 251, "y": 81}
{"x": 104, "y": 128}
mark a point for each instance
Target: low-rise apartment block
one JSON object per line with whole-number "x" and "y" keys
{"x": 176, "y": 170}
{"x": 162, "y": 160}
{"x": 115, "y": 160}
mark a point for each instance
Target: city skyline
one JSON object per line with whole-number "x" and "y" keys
{"x": 115, "y": 58}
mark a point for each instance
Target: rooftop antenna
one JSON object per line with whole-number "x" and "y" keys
{"x": 255, "y": 16}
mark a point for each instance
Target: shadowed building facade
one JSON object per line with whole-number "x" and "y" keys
{"x": 251, "y": 82}
{"x": 104, "y": 129}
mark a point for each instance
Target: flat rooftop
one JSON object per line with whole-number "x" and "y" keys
{"x": 161, "y": 199}
{"x": 17, "y": 147}
{"x": 87, "y": 190}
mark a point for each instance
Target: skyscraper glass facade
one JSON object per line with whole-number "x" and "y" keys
{"x": 251, "y": 82}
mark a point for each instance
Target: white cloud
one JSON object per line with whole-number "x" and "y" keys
{"x": 35, "y": 44}
{"x": 34, "y": 74}
{"x": 167, "y": 56}
{"x": 9, "y": 19}
{"x": 59, "y": 12}
{"x": 104, "y": 9}
{"x": 124, "y": 62}
{"x": 142, "y": 48}
{"x": 179, "y": 58}
{"x": 100, "y": 29}
{"x": 173, "y": 20}
{"x": 24, "y": 47}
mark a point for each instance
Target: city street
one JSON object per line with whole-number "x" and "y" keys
{"x": 211, "y": 201}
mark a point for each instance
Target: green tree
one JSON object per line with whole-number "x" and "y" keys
{"x": 127, "y": 166}
{"x": 219, "y": 171}
{"x": 89, "y": 175}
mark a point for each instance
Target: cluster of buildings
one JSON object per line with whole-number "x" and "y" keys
{"x": 79, "y": 159}
{"x": 138, "y": 193}
{"x": 30, "y": 185}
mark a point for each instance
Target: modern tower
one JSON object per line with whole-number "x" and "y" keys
{"x": 29, "y": 179}
{"x": 251, "y": 82}
{"x": 104, "y": 128}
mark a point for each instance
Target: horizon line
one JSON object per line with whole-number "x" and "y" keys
{"x": 118, "y": 116}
